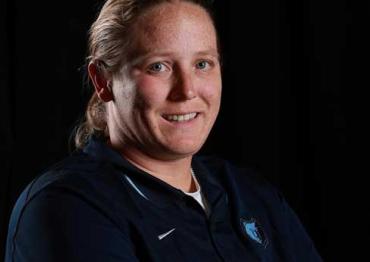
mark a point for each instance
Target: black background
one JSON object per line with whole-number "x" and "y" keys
{"x": 294, "y": 104}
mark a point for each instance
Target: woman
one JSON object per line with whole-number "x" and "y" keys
{"x": 134, "y": 190}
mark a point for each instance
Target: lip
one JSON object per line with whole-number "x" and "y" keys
{"x": 180, "y": 113}
{"x": 181, "y": 123}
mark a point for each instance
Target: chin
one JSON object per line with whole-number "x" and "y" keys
{"x": 183, "y": 149}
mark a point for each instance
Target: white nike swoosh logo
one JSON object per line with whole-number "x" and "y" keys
{"x": 160, "y": 237}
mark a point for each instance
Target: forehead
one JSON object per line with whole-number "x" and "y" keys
{"x": 174, "y": 26}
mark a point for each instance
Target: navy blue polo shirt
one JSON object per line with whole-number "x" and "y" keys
{"x": 96, "y": 206}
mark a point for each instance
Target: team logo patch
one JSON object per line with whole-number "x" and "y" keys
{"x": 254, "y": 231}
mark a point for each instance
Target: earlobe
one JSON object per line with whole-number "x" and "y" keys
{"x": 101, "y": 84}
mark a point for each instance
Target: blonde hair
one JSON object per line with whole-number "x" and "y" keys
{"x": 109, "y": 37}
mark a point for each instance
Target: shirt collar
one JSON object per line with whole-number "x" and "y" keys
{"x": 156, "y": 190}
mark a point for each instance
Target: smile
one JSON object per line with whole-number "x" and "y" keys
{"x": 180, "y": 118}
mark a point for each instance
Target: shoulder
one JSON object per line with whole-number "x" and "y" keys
{"x": 68, "y": 211}
{"x": 240, "y": 178}
{"x": 77, "y": 172}
{"x": 254, "y": 198}
{"x": 78, "y": 180}
{"x": 248, "y": 192}
{"x": 73, "y": 197}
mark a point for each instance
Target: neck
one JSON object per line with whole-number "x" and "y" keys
{"x": 175, "y": 172}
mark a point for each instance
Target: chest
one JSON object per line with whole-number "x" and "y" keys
{"x": 183, "y": 232}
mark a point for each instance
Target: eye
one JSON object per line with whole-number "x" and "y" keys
{"x": 157, "y": 67}
{"x": 203, "y": 64}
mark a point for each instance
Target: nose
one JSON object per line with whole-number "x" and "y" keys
{"x": 183, "y": 87}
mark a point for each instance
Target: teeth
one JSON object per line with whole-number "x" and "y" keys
{"x": 181, "y": 118}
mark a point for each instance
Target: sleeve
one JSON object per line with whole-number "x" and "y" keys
{"x": 300, "y": 245}
{"x": 58, "y": 225}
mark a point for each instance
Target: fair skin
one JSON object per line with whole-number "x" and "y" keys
{"x": 164, "y": 101}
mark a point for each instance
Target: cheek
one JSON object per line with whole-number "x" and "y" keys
{"x": 211, "y": 92}
{"x": 151, "y": 91}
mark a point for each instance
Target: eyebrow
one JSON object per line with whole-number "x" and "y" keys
{"x": 212, "y": 52}
{"x": 139, "y": 57}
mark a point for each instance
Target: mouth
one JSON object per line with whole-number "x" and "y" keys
{"x": 180, "y": 117}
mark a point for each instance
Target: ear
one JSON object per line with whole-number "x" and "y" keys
{"x": 101, "y": 83}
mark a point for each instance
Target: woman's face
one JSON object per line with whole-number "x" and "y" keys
{"x": 167, "y": 96}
